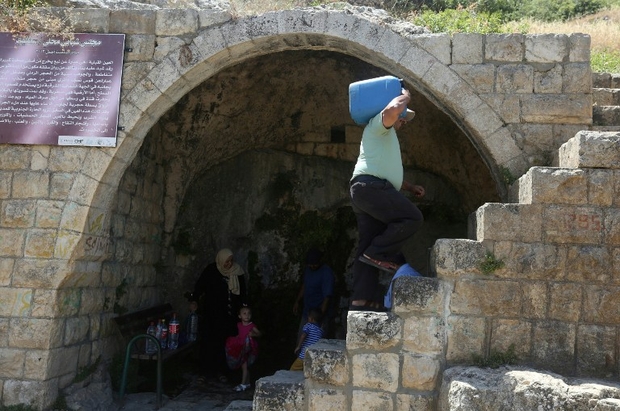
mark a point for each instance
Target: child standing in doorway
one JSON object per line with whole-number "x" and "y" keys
{"x": 241, "y": 350}
{"x": 310, "y": 334}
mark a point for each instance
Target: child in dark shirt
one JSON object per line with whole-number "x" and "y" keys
{"x": 310, "y": 334}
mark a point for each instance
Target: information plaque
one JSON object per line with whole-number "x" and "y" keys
{"x": 60, "y": 90}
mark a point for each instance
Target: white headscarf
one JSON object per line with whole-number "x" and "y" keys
{"x": 232, "y": 273}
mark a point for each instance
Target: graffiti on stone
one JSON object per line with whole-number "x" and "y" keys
{"x": 589, "y": 222}
{"x": 96, "y": 245}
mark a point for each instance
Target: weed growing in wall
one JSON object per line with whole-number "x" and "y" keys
{"x": 86, "y": 371}
{"x": 60, "y": 403}
{"x": 497, "y": 358}
{"x": 507, "y": 177}
{"x": 489, "y": 264}
{"x": 120, "y": 291}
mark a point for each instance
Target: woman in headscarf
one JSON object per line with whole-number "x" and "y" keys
{"x": 220, "y": 292}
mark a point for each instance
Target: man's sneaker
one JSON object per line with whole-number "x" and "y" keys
{"x": 386, "y": 266}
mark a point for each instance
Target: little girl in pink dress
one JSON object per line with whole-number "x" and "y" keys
{"x": 242, "y": 349}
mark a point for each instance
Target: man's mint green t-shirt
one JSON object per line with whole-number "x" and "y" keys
{"x": 380, "y": 153}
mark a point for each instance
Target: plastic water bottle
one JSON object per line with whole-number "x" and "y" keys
{"x": 151, "y": 348}
{"x": 158, "y": 330}
{"x": 173, "y": 332}
{"x": 192, "y": 326}
{"x": 163, "y": 336}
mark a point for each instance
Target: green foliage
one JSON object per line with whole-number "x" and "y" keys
{"x": 507, "y": 177}
{"x": 546, "y": 10}
{"x": 19, "y": 16}
{"x": 84, "y": 372}
{"x": 506, "y": 8}
{"x": 303, "y": 230}
{"x": 460, "y": 21}
{"x": 60, "y": 404}
{"x": 116, "y": 373}
{"x": 605, "y": 61}
{"x": 184, "y": 243}
{"x": 489, "y": 264}
{"x": 22, "y": 5}
{"x": 120, "y": 291}
{"x": 487, "y": 16}
{"x": 325, "y": 230}
{"x": 282, "y": 184}
{"x": 496, "y": 359}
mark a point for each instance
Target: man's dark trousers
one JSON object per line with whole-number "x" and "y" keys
{"x": 386, "y": 219}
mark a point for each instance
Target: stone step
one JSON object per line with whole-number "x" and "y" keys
{"x": 509, "y": 222}
{"x": 326, "y": 363}
{"x": 455, "y": 257}
{"x": 527, "y": 389}
{"x": 591, "y": 149}
{"x": 606, "y": 115}
{"x": 566, "y": 186}
{"x": 283, "y": 391}
{"x": 606, "y": 96}
{"x": 605, "y": 128}
{"x": 605, "y": 80}
{"x": 367, "y": 330}
{"x": 239, "y": 405}
{"x": 327, "y": 371}
{"x": 537, "y": 223}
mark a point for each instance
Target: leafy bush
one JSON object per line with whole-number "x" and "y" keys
{"x": 21, "y": 4}
{"x": 504, "y": 7}
{"x": 459, "y": 21}
{"x": 546, "y": 10}
{"x": 605, "y": 61}
{"x": 508, "y": 10}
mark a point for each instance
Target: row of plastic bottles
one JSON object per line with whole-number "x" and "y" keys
{"x": 168, "y": 334}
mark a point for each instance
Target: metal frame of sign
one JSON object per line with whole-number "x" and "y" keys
{"x": 60, "y": 89}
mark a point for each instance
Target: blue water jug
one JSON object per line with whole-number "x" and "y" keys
{"x": 368, "y": 97}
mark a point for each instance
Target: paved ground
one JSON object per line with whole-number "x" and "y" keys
{"x": 211, "y": 395}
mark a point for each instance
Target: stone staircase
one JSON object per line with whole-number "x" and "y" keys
{"x": 553, "y": 298}
{"x": 395, "y": 361}
{"x": 606, "y": 98}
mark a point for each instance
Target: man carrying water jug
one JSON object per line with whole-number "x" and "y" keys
{"x": 386, "y": 219}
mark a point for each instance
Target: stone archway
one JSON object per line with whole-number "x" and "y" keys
{"x": 421, "y": 60}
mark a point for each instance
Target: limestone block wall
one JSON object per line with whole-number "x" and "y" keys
{"x": 555, "y": 297}
{"x": 540, "y": 85}
{"x": 135, "y": 234}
